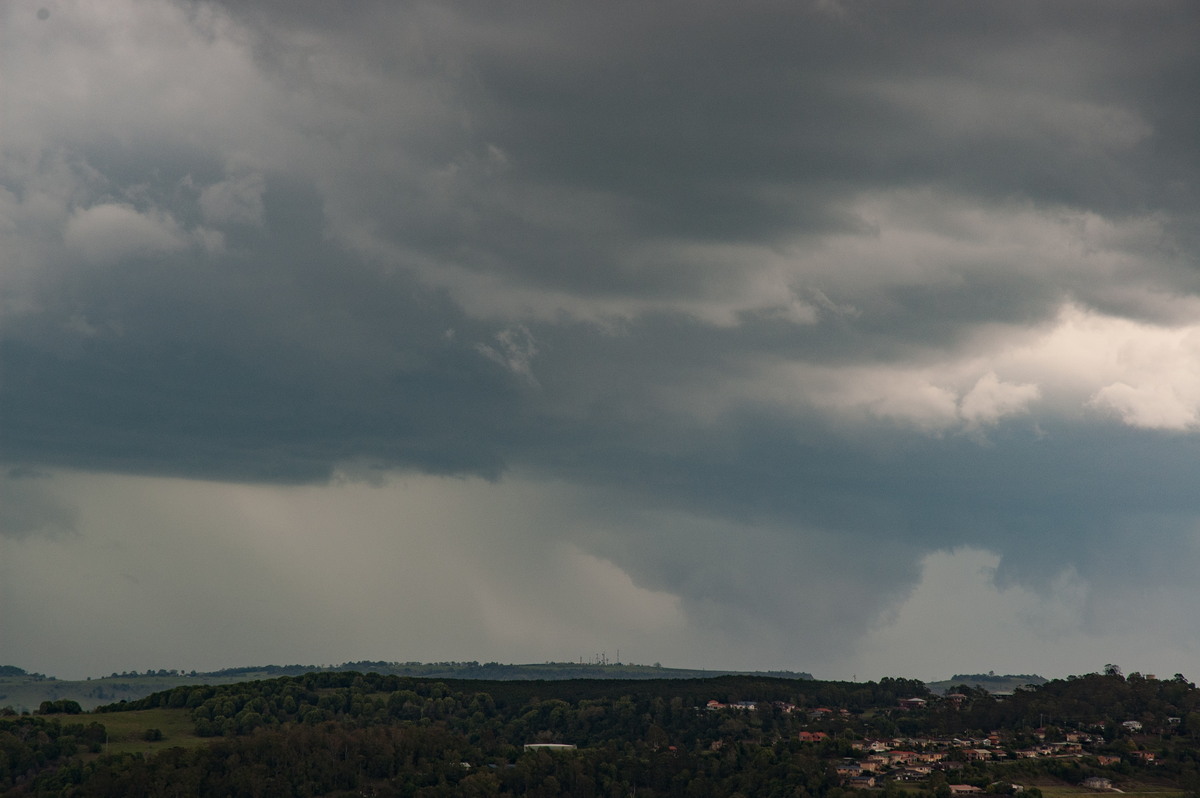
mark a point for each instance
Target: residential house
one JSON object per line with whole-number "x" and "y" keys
{"x": 848, "y": 769}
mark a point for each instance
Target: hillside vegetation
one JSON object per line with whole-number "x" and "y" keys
{"x": 346, "y": 733}
{"x": 26, "y": 691}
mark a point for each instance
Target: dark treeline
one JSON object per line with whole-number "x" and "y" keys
{"x": 345, "y": 733}
{"x": 31, "y": 744}
{"x": 343, "y": 760}
{"x": 507, "y": 695}
{"x": 1076, "y": 702}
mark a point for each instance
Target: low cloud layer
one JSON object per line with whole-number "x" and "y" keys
{"x": 800, "y": 306}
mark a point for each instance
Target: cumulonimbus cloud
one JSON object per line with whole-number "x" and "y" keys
{"x": 931, "y": 287}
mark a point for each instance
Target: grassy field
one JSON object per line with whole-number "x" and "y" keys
{"x": 127, "y": 730}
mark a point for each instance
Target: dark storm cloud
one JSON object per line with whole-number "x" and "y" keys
{"x": 269, "y": 364}
{"x": 679, "y": 122}
{"x": 707, "y": 126}
{"x": 642, "y": 247}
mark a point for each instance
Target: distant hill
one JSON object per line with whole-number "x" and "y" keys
{"x": 495, "y": 671}
{"x": 992, "y": 682}
{"x": 26, "y": 691}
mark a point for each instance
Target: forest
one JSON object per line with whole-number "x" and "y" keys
{"x": 349, "y": 733}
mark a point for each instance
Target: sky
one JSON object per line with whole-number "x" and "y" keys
{"x": 854, "y": 338}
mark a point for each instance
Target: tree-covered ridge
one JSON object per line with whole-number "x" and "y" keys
{"x": 370, "y": 734}
{"x": 629, "y": 734}
{"x": 323, "y": 696}
{"x": 23, "y": 690}
{"x": 1077, "y": 701}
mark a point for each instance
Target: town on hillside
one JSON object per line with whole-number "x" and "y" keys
{"x": 1092, "y": 746}
{"x": 918, "y": 759}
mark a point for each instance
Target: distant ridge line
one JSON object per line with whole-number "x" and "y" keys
{"x": 501, "y": 671}
{"x": 24, "y": 691}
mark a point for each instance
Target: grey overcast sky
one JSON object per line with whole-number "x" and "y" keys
{"x": 860, "y": 338}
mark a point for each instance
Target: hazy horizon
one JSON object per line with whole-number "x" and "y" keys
{"x": 184, "y": 672}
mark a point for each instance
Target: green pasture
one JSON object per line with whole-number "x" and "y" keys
{"x": 127, "y": 730}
